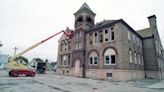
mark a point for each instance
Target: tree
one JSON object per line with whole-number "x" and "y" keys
{"x": 22, "y": 59}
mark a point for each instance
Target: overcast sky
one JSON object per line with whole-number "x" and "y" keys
{"x": 25, "y": 22}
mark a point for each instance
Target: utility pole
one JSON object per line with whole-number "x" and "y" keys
{"x": 15, "y": 49}
{"x": 1, "y": 44}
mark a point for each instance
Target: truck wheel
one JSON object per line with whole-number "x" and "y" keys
{"x": 32, "y": 74}
{"x": 10, "y": 74}
{"x": 14, "y": 74}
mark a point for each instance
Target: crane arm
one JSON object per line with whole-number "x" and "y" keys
{"x": 37, "y": 44}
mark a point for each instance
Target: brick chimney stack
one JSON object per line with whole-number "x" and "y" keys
{"x": 152, "y": 21}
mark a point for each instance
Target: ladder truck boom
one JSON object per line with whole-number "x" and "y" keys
{"x": 18, "y": 68}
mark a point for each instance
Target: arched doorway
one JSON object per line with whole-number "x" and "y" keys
{"x": 77, "y": 68}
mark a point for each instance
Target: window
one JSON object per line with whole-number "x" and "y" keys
{"x": 112, "y": 33}
{"x": 101, "y": 36}
{"x": 130, "y": 56}
{"x": 78, "y": 34}
{"x": 89, "y": 20}
{"x": 156, "y": 46}
{"x": 139, "y": 59}
{"x": 106, "y": 35}
{"x": 135, "y": 58}
{"x": 78, "y": 45}
{"x": 90, "y": 38}
{"x": 79, "y": 20}
{"x": 93, "y": 58}
{"x": 69, "y": 44}
{"x": 68, "y": 59}
{"x": 129, "y": 37}
{"x": 109, "y": 76}
{"x": 61, "y": 60}
{"x": 95, "y": 38}
{"x": 142, "y": 61}
{"x": 134, "y": 39}
{"x": 110, "y": 57}
{"x": 65, "y": 45}
{"x": 107, "y": 60}
{"x": 137, "y": 40}
{"x": 61, "y": 48}
{"x": 65, "y": 60}
{"x": 140, "y": 43}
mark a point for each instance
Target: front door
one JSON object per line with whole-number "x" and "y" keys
{"x": 77, "y": 68}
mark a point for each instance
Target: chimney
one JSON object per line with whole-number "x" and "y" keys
{"x": 152, "y": 21}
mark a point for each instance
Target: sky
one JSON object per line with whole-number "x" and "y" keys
{"x": 26, "y": 22}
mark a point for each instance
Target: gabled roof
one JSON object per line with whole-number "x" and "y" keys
{"x": 83, "y": 8}
{"x": 108, "y": 23}
{"x": 145, "y": 32}
{"x": 104, "y": 22}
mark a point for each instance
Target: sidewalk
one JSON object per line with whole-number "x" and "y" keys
{"x": 159, "y": 85}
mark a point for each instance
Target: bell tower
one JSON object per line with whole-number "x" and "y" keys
{"x": 84, "y": 18}
{"x": 84, "y": 21}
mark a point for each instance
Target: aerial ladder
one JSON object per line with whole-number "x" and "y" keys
{"x": 16, "y": 69}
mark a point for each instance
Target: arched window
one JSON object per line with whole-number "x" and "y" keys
{"x": 93, "y": 58}
{"x": 110, "y": 57}
{"x": 89, "y": 20}
{"x": 130, "y": 56}
{"x": 79, "y": 20}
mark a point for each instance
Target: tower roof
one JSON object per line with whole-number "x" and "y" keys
{"x": 83, "y": 7}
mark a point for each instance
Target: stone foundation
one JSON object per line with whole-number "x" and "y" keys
{"x": 115, "y": 75}
{"x": 154, "y": 74}
{"x": 104, "y": 74}
{"x": 69, "y": 72}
